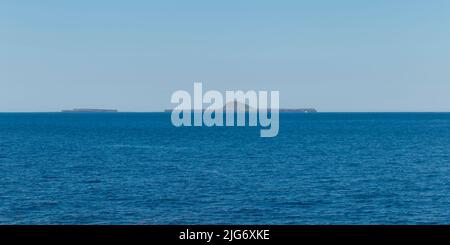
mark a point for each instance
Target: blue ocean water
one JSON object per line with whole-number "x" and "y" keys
{"x": 136, "y": 168}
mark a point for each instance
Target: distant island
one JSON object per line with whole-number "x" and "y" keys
{"x": 300, "y": 110}
{"x": 241, "y": 107}
{"x": 246, "y": 107}
{"x": 90, "y": 110}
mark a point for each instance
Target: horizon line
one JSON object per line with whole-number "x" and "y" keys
{"x": 163, "y": 111}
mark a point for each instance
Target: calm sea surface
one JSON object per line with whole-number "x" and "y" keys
{"x": 136, "y": 168}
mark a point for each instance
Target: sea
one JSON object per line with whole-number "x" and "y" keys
{"x": 136, "y": 168}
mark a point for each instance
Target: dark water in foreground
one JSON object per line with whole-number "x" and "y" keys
{"x": 131, "y": 168}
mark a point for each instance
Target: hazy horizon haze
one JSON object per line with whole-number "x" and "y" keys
{"x": 346, "y": 56}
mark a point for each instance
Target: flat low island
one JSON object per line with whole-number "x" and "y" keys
{"x": 90, "y": 110}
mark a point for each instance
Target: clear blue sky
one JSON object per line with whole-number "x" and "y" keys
{"x": 347, "y": 55}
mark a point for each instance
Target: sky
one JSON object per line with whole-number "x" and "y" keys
{"x": 336, "y": 56}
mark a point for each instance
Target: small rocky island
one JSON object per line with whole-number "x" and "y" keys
{"x": 246, "y": 107}
{"x": 90, "y": 110}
